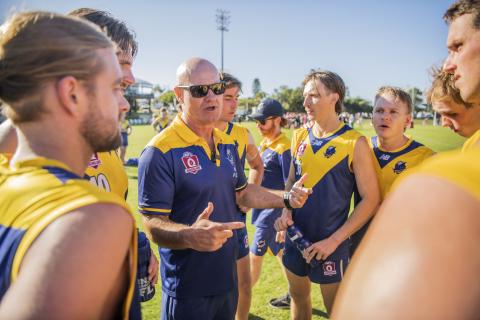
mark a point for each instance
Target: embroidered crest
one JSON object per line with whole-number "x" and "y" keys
{"x": 94, "y": 161}
{"x": 301, "y": 149}
{"x": 329, "y": 268}
{"x": 330, "y": 152}
{"x": 191, "y": 163}
{"x": 399, "y": 167}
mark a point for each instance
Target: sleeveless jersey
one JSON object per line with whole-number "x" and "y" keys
{"x": 389, "y": 165}
{"x": 105, "y": 170}
{"x": 34, "y": 194}
{"x": 328, "y": 162}
{"x": 276, "y": 160}
{"x": 472, "y": 142}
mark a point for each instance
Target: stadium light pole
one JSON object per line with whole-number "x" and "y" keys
{"x": 223, "y": 20}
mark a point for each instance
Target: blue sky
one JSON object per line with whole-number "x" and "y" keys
{"x": 368, "y": 43}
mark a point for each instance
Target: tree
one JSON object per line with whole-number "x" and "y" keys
{"x": 256, "y": 87}
{"x": 167, "y": 98}
{"x": 356, "y": 104}
{"x": 290, "y": 98}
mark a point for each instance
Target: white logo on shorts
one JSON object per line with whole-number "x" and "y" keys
{"x": 329, "y": 268}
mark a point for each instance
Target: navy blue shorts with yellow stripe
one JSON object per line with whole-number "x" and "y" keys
{"x": 330, "y": 271}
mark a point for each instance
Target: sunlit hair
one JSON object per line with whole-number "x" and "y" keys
{"x": 397, "y": 93}
{"x": 230, "y": 81}
{"x": 38, "y": 47}
{"x": 332, "y": 82}
{"x": 461, "y": 7}
{"x": 116, "y": 29}
{"x": 443, "y": 89}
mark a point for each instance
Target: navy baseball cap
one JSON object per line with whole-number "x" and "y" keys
{"x": 268, "y": 108}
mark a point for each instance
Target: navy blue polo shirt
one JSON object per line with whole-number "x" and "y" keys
{"x": 178, "y": 175}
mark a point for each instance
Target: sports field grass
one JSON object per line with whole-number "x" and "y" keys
{"x": 271, "y": 282}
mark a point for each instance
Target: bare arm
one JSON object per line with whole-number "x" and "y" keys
{"x": 421, "y": 250}
{"x": 255, "y": 162}
{"x": 368, "y": 188}
{"x": 79, "y": 260}
{"x": 370, "y": 199}
{"x": 203, "y": 235}
{"x": 258, "y": 197}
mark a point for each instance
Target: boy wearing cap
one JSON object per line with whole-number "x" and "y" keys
{"x": 247, "y": 150}
{"x": 275, "y": 153}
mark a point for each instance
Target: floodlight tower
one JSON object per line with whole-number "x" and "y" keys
{"x": 223, "y": 20}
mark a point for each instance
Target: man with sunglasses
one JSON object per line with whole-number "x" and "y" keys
{"x": 276, "y": 158}
{"x": 247, "y": 150}
{"x": 190, "y": 168}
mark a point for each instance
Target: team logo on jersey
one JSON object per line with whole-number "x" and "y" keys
{"x": 384, "y": 157}
{"x": 191, "y": 163}
{"x": 329, "y": 268}
{"x": 301, "y": 149}
{"x": 330, "y": 152}
{"x": 399, "y": 167}
{"x": 267, "y": 157}
{"x": 94, "y": 161}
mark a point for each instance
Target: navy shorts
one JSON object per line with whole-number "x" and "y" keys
{"x": 124, "y": 139}
{"x": 218, "y": 307}
{"x": 264, "y": 239}
{"x": 243, "y": 248}
{"x": 330, "y": 271}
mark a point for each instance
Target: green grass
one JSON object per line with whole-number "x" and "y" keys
{"x": 271, "y": 283}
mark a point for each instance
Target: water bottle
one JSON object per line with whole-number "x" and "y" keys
{"x": 302, "y": 243}
{"x": 146, "y": 289}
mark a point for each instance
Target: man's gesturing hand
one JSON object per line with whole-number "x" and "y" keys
{"x": 206, "y": 235}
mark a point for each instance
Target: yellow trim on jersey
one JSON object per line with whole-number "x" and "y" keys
{"x": 155, "y": 209}
{"x": 472, "y": 142}
{"x": 240, "y": 135}
{"x": 460, "y": 168}
{"x": 281, "y": 144}
{"x": 386, "y": 174}
{"x": 109, "y": 173}
{"x": 52, "y": 199}
{"x": 308, "y": 165}
{"x": 179, "y": 135}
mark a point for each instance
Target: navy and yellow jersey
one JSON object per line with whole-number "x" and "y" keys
{"x": 162, "y": 123}
{"x": 240, "y": 137}
{"x": 105, "y": 170}
{"x": 178, "y": 175}
{"x": 472, "y": 142}
{"x": 389, "y": 165}
{"x": 35, "y": 193}
{"x": 276, "y": 159}
{"x": 458, "y": 168}
{"x": 328, "y": 162}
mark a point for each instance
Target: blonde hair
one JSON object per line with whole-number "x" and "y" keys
{"x": 38, "y": 47}
{"x": 397, "y": 93}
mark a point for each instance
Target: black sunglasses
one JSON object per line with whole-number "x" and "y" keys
{"x": 263, "y": 121}
{"x": 200, "y": 91}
